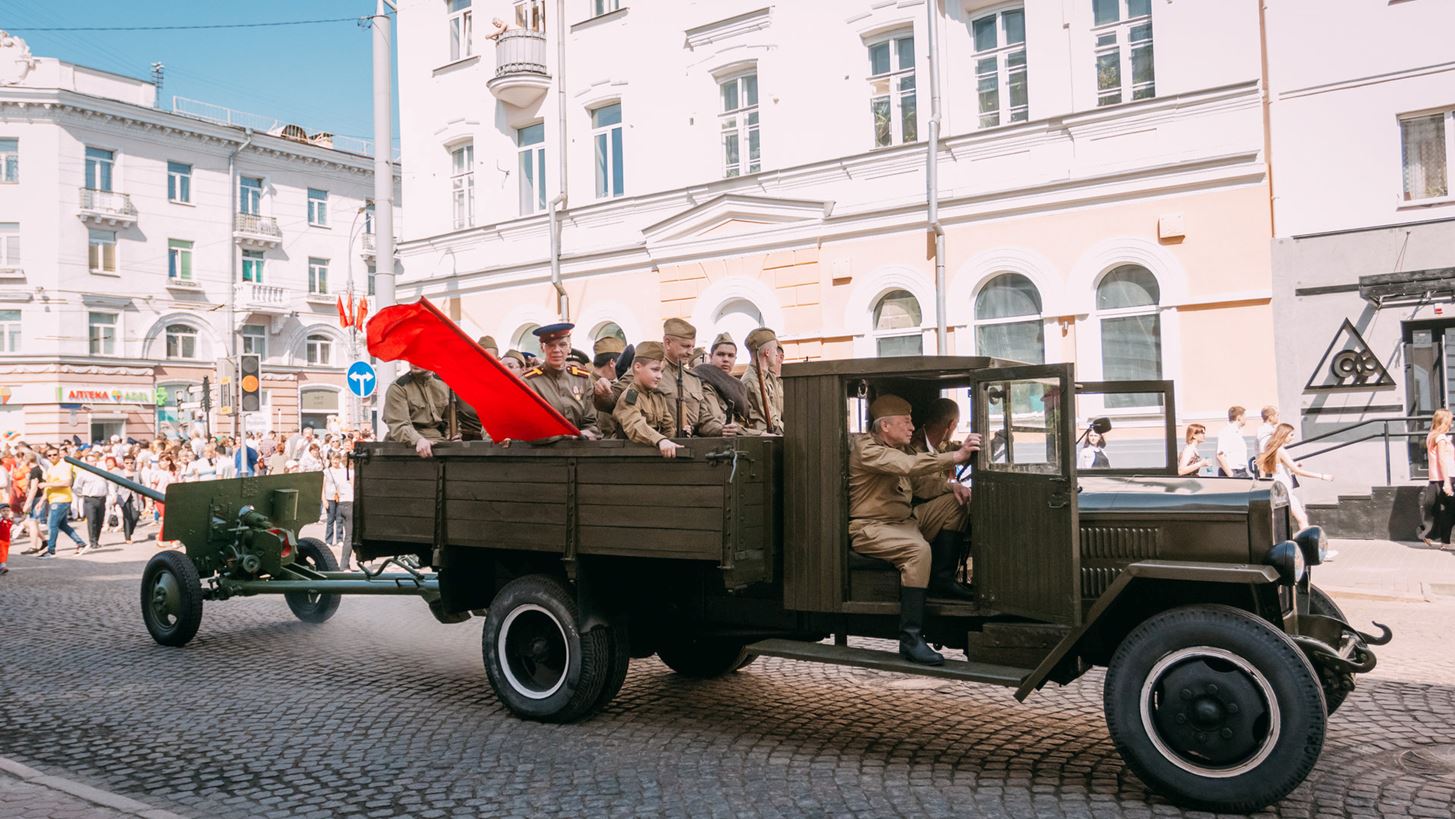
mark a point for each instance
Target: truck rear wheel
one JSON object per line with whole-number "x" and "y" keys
{"x": 1215, "y": 709}
{"x": 704, "y": 657}
{"x": 540, "y": 664}
{"x": 1337, "y": 685}
{"x": 314, "y": 607}
{"x": 171, "y": 598}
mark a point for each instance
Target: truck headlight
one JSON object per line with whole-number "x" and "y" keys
{"x": 1287, "y": 558}
{"x": 1311, "y": 542}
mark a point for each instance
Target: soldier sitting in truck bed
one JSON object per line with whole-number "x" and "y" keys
{"x": 883, "y": 524}
{"x": 642, "y": 412}
{"x": 564, "y": 385}
{"x": 414, "y": 409}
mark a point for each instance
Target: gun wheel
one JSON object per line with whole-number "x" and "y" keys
{"x": 314, "y": 607}
{"x": 171, "y": 598}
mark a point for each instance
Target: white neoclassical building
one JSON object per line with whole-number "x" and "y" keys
{"x": 138, "y": 247}
{"x": 1102, "y": 181}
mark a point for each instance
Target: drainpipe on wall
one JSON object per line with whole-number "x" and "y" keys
{"x": 932, "y": 179}
{"x": 232, "y": 277}
{"x": 559, "y": 202}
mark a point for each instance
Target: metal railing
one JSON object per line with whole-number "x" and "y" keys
{"x": 110, "y": 203}
{"x": 1383, "y": 434}
{"x": 264, "y": 295}
{"x": 257, "y": 225}
{"x": 520, "y": 51}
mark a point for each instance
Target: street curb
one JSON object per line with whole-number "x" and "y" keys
{"x": 1368, "y": 594}
{"x": 95, "y": 796}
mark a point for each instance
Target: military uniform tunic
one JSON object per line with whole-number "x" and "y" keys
{"x": 763, "y": 421}
{"x": 883, "y": 522}
{"x": 415, "y": 407}
{"x": 937, "y": 509}
{"x": 643, "y": 416}
{"x": 568, "y": 390}
{"x": 698, "y": 417}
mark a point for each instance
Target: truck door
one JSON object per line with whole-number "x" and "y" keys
{"x": 1023, "y": 503}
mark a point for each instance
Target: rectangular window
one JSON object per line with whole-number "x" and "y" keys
{"x": 371, "y": 274}
{"x": 606, "y": 134}
{"x": 600, "y": 7}
{"x": 252, "y": 266}
{"x": 250, "y": 195}
{"x": 531, "y": 149}
{"x": 461, "y": 22}
{"x": 9, "y": 331}
{"x": 317, "y": 276}
{"x": 255, "y": 340}
{"x": 369, "y": 218}
{"x": 9, "y": 159}
{"x": 317, "y": 207}
{"x": 179, "y": 182}
{"x": 102, "y": 250}
{"x": 462, "y": 184}
{"x": 99, "y": 164}
{"x": 179, "y": 260}
{"x": 1000, "y": 67}
{"x": 102, "y": 333}
{"x": 892, "y": 91}
{"x": 1123, "y": 32}
{"x": 740, "y": 147}
{"x": 9, "y": 245}
{"x": 319, "y": 350}
{"x": 1425, "y": 147}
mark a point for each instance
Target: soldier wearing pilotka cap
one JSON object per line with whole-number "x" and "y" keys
{"x": 725, "y": 395}
{"x": 764, "y": 382}
{"x": 563, "y": 384}
{"x": 642, "y": 412}
{"x": 606, "y": 351}
{"x": 691, "y": 413}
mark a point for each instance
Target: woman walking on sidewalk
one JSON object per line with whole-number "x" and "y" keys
{"x": 1437, "y": 502}
{"x": 1274, "y": 460}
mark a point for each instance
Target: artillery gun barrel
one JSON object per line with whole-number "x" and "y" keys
{"x": 144, "y": 491}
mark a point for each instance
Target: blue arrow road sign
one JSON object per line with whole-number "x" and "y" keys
{"x": 361, "y": 378}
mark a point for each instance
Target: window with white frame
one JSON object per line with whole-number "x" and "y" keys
{"x": 530, "y": 15}
{"x": 737, "y": 318}
{"x": 101, "y": 250}
{"x": 369, "y": 218}
{"x": 462, "y": 25}
{"x": 9, "y": 159}
{"x": 462, "y": 184}
{"x": 1127, "y": 300}
{"x": 252, "y": 266}
{"x": 317, "y": 276}
{"x": 179, "y": 260}
{"x": 1426, "y": 143}
{"x": 606, "y": 136}
{"x": 897, "y": 319}
{"x": 892, "y": 89}
{"x": 600, "y": 7}
{"x": 181, "y": 341}
{"x": 1000, "y": 67}
{"x": 179, "y": 182}
{"x": 99, "y": 165}
{"x": 530, "y": 145}
{"x": 255, "y": 340}
{"x": 370, "y": 275}
{"x": 317, "y": 207}
{"x": 9, "y": 331}
{"x": 250, "y": 195}
{"x": 1123, "y": 33}
{"x": 318, "y": 350}
{"x": 1008, "y": 320}
{"x": 102, "y": 332}
{"x": 739, "y": 124}
{"x": 609, "y": 329}
{"x": 9, "y": 245}
{"x": 526, "y": 340}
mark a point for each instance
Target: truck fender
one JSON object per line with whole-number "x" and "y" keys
{"x": 1142, "y": 574}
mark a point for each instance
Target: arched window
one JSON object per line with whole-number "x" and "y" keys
{"x": 181, "y": 341}
{"x": 1127, "y": 299}
{"x": 897, "y": 319}
{"x": 526, "y": 341}
{"x": 1008, "y": 320}
{"x": 737, "y": 318}
{"x": 607, "y": 329}
{"x": 319, "y": 350}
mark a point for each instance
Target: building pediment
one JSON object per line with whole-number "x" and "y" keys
{"x": 735, "y": 214}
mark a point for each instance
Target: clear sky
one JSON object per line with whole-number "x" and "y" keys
{"x": 318, "y": 76}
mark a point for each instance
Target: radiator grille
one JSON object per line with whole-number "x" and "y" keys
{"x": 1128, "y": 543}
{"x": 1094, "y": 581}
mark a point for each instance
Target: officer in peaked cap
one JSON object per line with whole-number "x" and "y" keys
{"x": 565, "y": 385}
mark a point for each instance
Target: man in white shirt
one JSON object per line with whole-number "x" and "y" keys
{"x": 1270, "y": 423}
{"x": 1232, "y": 449}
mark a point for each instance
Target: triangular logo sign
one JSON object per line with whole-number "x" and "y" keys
{"x": 1348, "y": 365}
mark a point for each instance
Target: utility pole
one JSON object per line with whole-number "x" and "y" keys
{"x": 383, "y": 169}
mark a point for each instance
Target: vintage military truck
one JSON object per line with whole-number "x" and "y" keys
{"x": 1223, "y": 660}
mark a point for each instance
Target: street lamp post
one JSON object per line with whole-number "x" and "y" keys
{"x": 383, "y": 169}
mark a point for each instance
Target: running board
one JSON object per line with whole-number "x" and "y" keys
{"x": 888, "y": 661}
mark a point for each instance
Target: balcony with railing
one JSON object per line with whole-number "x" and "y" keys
{"x": 269, "y": 299}
{"x": 520, "y": 78}
{"x": 106, "y": 208}
{"x": 252, "y": 230}
{"x": 369, "y": 246}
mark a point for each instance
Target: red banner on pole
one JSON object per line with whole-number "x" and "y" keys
{"x": 420, "y": 334}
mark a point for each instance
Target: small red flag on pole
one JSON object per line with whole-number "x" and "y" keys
{"x": 343, "y": 315}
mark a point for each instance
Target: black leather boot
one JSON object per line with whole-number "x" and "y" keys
{"x": 912, "y": 645}
{"x": 944, "y": 557}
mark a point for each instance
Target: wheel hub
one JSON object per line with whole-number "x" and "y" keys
{"x": 1210, "y": 711}
{"x": 534, "y": 653}
{"x": 166, "y": 597}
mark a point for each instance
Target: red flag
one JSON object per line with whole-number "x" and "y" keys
{"x": 343, "y": 315}
{"x": 363, "y": 312}
{"x": 420, "y": 334}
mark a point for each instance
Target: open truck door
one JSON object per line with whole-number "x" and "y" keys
{"x": 1023, "y": 506}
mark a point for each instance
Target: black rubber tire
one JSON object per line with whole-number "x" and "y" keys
{"x": 538, "y": 603}
{"x": 619, "y": 657}
{"x": 173, "y": 613}
{"x": 314, "y": 608}
{"x": 1275, "y": 766}
{"x": 703, "y": 657}
{"x": 1337, "y": 686}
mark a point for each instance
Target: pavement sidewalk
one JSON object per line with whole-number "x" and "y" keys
{"x": 26, "y": 792}
{"x": 1387, "y": 569}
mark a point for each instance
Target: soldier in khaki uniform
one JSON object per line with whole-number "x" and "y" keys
{"x": 941, "y": 501}
{"x": 564, "y": 385}
{"x": 642, "y": 412}
{"x": 604, "y": 393}
{"x": 692, "y": 414}
{"x": 726, "y": 396}
{"x": 883, "y": 522}
{"x": 764, "y": 382}
{"x": 414, "y": 410}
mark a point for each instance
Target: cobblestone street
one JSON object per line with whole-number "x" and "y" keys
{"x": 382, "y": 711}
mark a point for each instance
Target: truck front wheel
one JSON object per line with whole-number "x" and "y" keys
{"x": 703, "y": 657}
{"x": 1214, "y": 708}
{"x": 540, "y": 664}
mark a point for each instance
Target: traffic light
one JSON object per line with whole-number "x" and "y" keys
{"x": 249, "y": 382}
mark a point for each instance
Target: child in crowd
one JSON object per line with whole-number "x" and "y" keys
{"x": 4, "y": 538}
{"x": 642, "y": 413}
